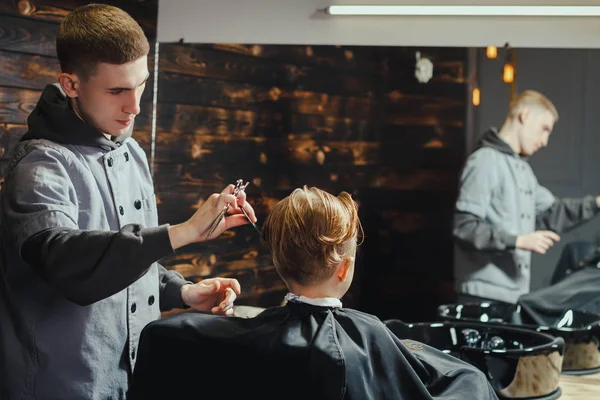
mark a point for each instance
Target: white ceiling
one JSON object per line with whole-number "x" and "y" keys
{"x": 295, "y": 22}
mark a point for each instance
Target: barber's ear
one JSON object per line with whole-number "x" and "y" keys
{"x": 70, "y": 84}
{"x": 344, "y": 268}
{"x": 523, "y": 115}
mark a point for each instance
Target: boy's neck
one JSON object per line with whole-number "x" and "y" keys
{"x": 314, "y": 292}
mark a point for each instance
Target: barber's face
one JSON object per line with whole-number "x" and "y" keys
{"x": 110, "y": 99}
{"x": 537, "y": 127}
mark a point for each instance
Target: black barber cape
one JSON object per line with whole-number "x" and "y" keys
{"x": 298, "y": 351}
{"x": 577, "y": 291}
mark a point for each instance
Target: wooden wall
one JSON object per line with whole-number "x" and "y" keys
{"x": 340, "y": 118}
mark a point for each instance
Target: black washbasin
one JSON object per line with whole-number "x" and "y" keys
{"x": 519, "y": 363}
{"x": 580, "y": 330}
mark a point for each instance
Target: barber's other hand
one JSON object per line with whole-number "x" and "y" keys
{"x": 215, "y": 295}
{"x": 538, "y": 241}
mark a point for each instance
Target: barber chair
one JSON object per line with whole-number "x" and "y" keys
{"x": 575, "y": 255}
{"x": 519, "y": 363}
{"x": 569, "y": 309}
{"x": 579, "y": 330}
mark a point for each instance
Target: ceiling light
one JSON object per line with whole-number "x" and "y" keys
{"x": 471, "y": 11}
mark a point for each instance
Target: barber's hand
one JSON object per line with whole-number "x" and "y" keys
{"x": 196, "y": 228}
{"x": 538, "y": 241}
{"x": 204, "y": 217}
{"x": 215, "y": 295}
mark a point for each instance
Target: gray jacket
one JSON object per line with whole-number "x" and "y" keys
{"x": 79, "y": 278}
{"x": 500, "y": 199}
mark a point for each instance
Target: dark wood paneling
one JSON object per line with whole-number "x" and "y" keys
{"x": 181, "y": 177}
{"x": 204, "y": 62}
{"x": 28, "y": 36}
{"x": 16, "y": 104}
{"x": 208, "y": 152}
{"x": 27, "y": 71}
{"x": 185, "y": 89}
{"x": 207, "y": 63}
{"x": 10, "y": 134}
{"x": 340, "y": 118}
{"x": 431, "y": 126}
{"x": 206, "y": 120}
{"x": 145, "y": 12}
{"x": 337, "y": 57}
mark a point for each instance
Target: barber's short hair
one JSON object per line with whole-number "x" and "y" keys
{"x": 98, "y": 33}
{"x": 310, "y": 232}
{"x": 530, "y": 98}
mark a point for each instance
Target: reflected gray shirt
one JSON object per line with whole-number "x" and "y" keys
{"x": 500, "y": 199}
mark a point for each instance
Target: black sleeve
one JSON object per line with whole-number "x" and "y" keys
{"x": 567, "y": 214}
{"x": 476, "y": 233}
{"x": 88, "y": 266}
{"x": 170, "y": 283}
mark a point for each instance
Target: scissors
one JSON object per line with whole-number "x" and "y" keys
{"x": 239, "y": 186}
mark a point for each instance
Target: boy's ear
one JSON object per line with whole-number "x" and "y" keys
{"x": 343, "y": 268}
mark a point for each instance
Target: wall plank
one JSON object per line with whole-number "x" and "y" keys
{"x": 145, "y": 12}
{"x": 212, "y": 153}
{"x": 207, "y": 63}
{"x": 16, "y": 104}
{"x": 10, "y": 134}
{"x": 27, "y": 71}
{"x": 341, "y": 57}
{"x": 185, "y": 89}
{"x": 28, "y": 36}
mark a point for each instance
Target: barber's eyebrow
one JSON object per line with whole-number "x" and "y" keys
{"x": 115, "y": 89}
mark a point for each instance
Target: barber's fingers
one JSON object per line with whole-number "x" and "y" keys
{"x": 225, "y": 283}
{"x": 545, "y": 242}
{"x": 243, "y": 203}
{"x": 230, "y": 297}
{"x": 541, "y": 241}
{"x": 221, "y": 200}
{"x": 226, "y": 197}
{"x": 539, "y": 248}
{"x": 537, "y": 244}
{"x": 225, "y": 307}
{"x": 550, "y": 235}
{"x": 241, "y": 200}
{"x": 542, "y": 245}
{"x": 228, "y": 189}
{"x": 250, "y": 212}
